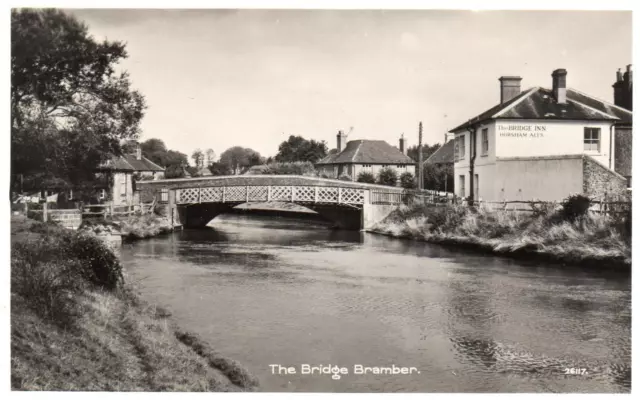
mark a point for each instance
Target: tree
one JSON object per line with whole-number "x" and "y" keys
{"x": 297, "y": 148}
{"x": 387, "y": 176}
{"x": 70, "y": 110}
{"x": 238, "y": 158}
{"x": 366, "y": 177}
{"x": 218, "y": 169}
{"x": 156, "y": 151}
{"x": 174, "y": 171}
{"x": 210, "y": 157}
{"x": 407, "y": 180}
{"x": 198, "y": 158}
{"x": 427, "y": 151}
{"x": 438, "y": 177}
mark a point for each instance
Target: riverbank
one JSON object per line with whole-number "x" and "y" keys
{"x": 591, "y": 240}
{"x": 134, "y": 227}
{"x": 76, "y": 324}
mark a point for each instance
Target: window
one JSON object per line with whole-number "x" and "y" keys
{"x": 164, "y": 195}
{"x": 461, "y": 146}
{"x": 400, "y": 166}
{"x": 123, "y": 186}
{"x": 485, "y": 141}
{"x": 592, "y": 139}
{"x": 103, "y": 194}
{"x": 461, "y": 190}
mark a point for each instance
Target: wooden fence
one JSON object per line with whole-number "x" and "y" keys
{"x": 72, "y": 218}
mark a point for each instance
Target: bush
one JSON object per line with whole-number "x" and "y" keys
{"x": 387, "y": 176}
{"x": 543, "y": 209}
{"x": 100, "y": 265}
{"x": 575, "y": 206}
{"x": 407, "y": 181}
{"x": 345, "y": 177}
{"x": 284, "y": 168}
{"x": 366, "y": 177}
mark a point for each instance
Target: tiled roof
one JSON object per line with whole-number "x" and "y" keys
{"x": 539, "y": 103}
{"x": 129, "y": 162}
{"x": 368, "y": 152}
{"x": 443, "y": 155}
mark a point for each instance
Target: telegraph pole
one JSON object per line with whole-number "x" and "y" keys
{"x": 420, "y": 178}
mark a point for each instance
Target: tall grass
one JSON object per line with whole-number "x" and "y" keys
{"x": 550, "y": 232}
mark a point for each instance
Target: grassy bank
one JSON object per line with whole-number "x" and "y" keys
{"x": 588, "y": 239}
{"x": 132, "y": 227}
{"x": 75, "y": 324}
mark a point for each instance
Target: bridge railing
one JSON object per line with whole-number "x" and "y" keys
{"x": 245, "y": 194}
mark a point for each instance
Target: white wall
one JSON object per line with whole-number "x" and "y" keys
{"x": 549, "y": 138}
{"x": 375, "y": 169}
{"x": 122, "y": 191}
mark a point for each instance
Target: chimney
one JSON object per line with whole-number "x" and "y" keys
{"x": 138, "y": 152}
{"x": 509, "y": 87}
{"x": 403, "y": 144}
{"x": 559, "y": 80}
{"x": 623, "y": 89}
{"x": 340, "y": 137}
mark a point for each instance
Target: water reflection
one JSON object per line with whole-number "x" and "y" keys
{"x": 288, "y": 292}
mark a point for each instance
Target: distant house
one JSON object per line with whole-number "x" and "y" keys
{"x": 365, "y": 156}
{"x": 443, "y": 157}
{"x": 124, "y": 170}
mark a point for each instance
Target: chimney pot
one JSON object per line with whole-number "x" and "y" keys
{"x": 340, "y": 139}
{"x": 619, "y": 75}
{"x": 403, "y": 144}
{"x": 559, "y": 80}
{"x": 509, "y": 87}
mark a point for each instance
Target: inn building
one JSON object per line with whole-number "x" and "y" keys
{"x": 545, "y": 144}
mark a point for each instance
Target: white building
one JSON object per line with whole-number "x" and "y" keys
{"x": 539, "y": 144}
{"x": 366, "y": 156}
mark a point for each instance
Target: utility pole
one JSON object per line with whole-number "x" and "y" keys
{"x": 420, "y": 178}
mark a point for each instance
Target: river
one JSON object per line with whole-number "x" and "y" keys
{"x": 268, "y": 291}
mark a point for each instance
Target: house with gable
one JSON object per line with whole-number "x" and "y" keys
{"x": 545, "y": 144}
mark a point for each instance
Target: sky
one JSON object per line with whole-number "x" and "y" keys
{"x": 222, "y": 78}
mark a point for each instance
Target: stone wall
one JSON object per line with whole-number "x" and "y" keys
{"x": 599, "y": 181}
{"x": 623, "y": 140}
{"x": 67, "y": 218}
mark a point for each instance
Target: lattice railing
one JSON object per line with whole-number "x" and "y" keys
{"x": 301, "y": 194}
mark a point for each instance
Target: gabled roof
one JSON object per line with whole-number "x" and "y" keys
{"x": 368, "y": 152}
{"x": 129, "y": 162}
{"x": 443, "y": 155}
{"x": 539, "y": 103}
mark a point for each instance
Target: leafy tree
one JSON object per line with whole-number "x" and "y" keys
{"x": 70, "y": 110}
{"x": 366, "y": 177}
{"x": 438, "y": 177}
{"x": 407, "y": 180}
{"x": 210, "y": 156}
{"x": 427, "y": 151}
{"x": 174, "y": 171}
{"x": 198, "y": 158}
{"x": 297, "y": 148}
{"x": 156, "y": 151}
{"x": 387, "y": 176}
{"x": 218, "y": 169}
{"x": 238, "y": 158}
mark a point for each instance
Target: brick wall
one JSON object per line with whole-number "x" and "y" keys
{"x": 68, "y": 218}
{"x": 599, "y": 181}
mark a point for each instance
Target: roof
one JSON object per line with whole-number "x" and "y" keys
{"x": 443, "y": 155}
{"x": 368, "y": 152}
{"x": 129, "y": 162}
{"x": 539, "y": 103}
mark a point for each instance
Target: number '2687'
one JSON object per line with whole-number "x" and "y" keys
{"x": 575, "y": 371}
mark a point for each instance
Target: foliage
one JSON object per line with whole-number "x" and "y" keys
{"x": 156, "y": 151}
{"x": 297, "y": 148}
{"x": 387, "y": 176}
{"x": 210, "y": 156}
{"x": 238, "y": 158}
{"x": 366, "y": 177}
{"x": 543, "y": 209}
{"x": 69, "y": 108}
{"x": 174, "y": 171}
{"x": 198, "y": 158}
{"x": 575, "y": 206}
{"x": 345, "y": 177}
{"x": 427, "y": 151}
{"x": 438, "y": 177}
{"x": 284, "y": 168}
{"x": 218, "y": 169}
{"x": 407, "y": 180}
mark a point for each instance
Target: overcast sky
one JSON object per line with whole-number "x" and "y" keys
{"x": 216, "y": 79}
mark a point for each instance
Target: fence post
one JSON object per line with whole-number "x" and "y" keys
{"x": 292, "y": 195}
{"x": 111, "y": 206}
{"x": 224, "y": 193}
{"x": 269, "y": 193}
{"x": 315, "y": 194}
{"x": 339, "y": 195}
{"x": 247, "y": 193}
{"x": 44, "y": 208}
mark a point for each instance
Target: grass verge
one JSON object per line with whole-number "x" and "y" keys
{"x": 69, "y": 332}
{"x": 589, "y": 240}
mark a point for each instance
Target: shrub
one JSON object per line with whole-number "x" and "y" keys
{"x": 575, "y": 206}
{"x": 407, "y": 181}
{"x": 543, "y": 209}
{"x": 284, "y": 168}
{"x": 366, "y": 177}
{"x": 345, "y": 177}
{"x": 387, "y": 176}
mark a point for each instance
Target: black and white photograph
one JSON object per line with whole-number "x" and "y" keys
{"x": 322, "y": 198}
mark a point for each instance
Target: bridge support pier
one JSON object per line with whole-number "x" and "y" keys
{"x": 375, "y": 213}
